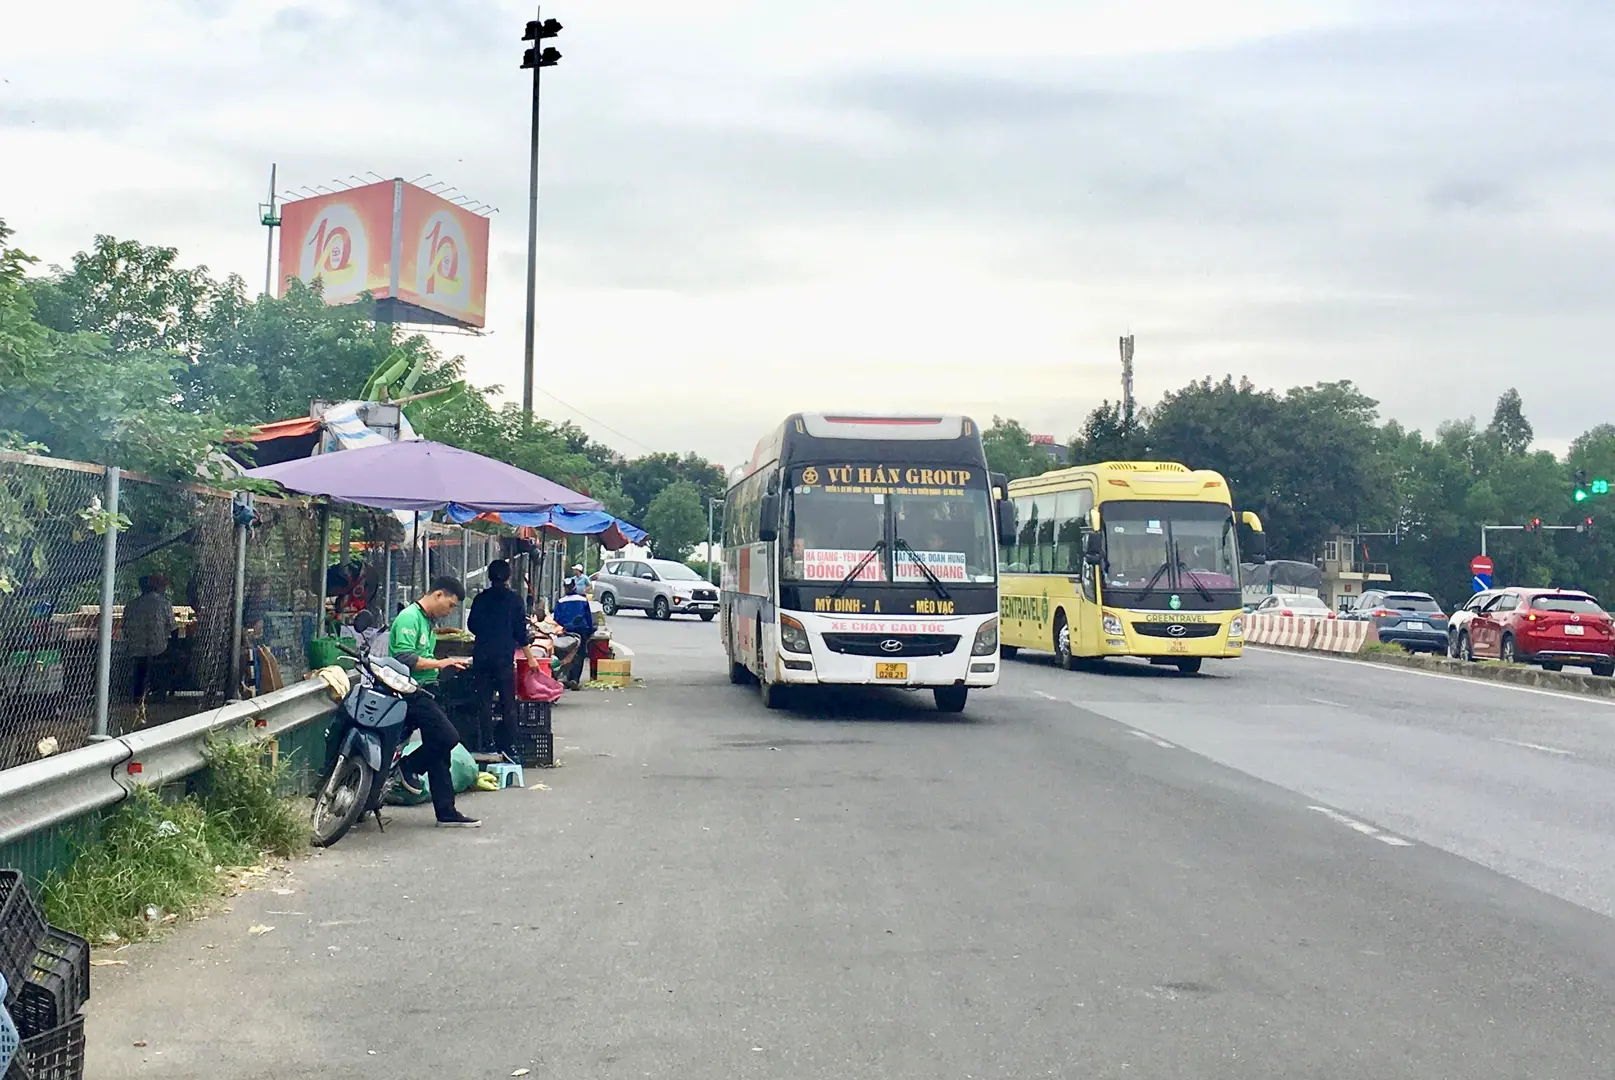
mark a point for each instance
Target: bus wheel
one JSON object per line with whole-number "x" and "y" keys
{"x": 1189, "y": 665}
{"x": 1009, "y": 652}
{"x": 951, "y": 698}
{"x": 1062, "y": 643}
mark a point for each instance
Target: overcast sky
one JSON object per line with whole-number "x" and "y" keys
{"x": 754, "y": 207}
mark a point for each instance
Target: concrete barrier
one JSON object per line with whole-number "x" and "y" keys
{"x": 1491, "y": 671}
{"x": 1344, "y": 635}
{"x": 1286, "y": 632}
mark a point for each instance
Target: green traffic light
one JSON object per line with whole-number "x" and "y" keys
{"x": 1581, "y": 495}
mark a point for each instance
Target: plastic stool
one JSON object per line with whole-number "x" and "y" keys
{"x": 509, "y": 775}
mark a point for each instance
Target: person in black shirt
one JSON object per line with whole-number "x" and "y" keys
{"x": 499, "y": 620}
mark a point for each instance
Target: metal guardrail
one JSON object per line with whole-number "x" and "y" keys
{"x": 57, "y": 789}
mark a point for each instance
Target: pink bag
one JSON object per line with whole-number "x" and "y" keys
{"x": 535, "y": 684}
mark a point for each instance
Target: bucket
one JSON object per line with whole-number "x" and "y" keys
{"x": 322, "y": 652}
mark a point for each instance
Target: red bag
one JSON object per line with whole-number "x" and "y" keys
{"x": 535, "y": 684}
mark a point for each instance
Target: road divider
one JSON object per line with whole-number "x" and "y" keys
{"x": 1318, "y": 635}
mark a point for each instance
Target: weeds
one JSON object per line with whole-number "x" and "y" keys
{"x": 170, "y": 856}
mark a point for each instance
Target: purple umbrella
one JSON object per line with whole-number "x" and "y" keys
{"x": 417, "y": 475}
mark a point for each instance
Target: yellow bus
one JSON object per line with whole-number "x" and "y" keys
{"x": 1125, "y": 558}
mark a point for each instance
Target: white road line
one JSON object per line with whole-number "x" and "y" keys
{"x": 1046, "y": 697}
{"x": 1360, "y": 664}
{"x": 1321, "y": 701}
{"x": 1147, "y": 737}
{"x": 1362, "y": 827}
{"x": 1537, "y": 746}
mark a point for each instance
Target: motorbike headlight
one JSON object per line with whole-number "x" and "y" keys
{"x": 1112, "y": 625}
{"x": 792, "y": 637}
{"x": 1237, "y": 627}
{"x": 986, "y": 642}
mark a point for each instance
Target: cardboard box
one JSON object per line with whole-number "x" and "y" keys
{"x": 616, "y": 672}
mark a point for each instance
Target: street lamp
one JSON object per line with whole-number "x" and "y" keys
{"x": 538, "y": 30}
{"x": 712, "y": 504}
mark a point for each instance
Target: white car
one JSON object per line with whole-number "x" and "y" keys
{"x": 1298, "y": 605}
{"x": 1461, "y": 618}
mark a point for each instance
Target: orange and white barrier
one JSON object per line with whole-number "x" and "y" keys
{"x": 1344, "y": 635}
{"x": 1285, "y": 631}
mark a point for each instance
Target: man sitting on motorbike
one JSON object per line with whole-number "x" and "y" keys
{"x": 413, "y": 641}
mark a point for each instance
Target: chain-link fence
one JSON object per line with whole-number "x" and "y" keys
{"x": 181, "y": 561}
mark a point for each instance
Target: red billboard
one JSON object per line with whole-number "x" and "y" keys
{"x": 443, "y": 264}
{"x": 402, "y": 244}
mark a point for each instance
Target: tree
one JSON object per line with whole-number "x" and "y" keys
{"x": 1010, "y": 450}
{"x": 676, "y": 520}
{"x": 645, "y": 477}
{"x": 1510, "y": 432}
{"x": 1108, "y": 435}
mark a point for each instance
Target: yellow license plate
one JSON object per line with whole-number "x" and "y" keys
{"x": 1177, "y": 646}
{"x": 891, "y": 671}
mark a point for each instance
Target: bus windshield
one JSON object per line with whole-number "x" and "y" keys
{"x": 829, "y": 533}
{"x": 1169, "y": 547}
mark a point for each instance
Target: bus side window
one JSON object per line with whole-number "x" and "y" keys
{"x": 1047, "y": 517}
{"x": 1006, "y": 545}
{"x": 1080, "y": 511}
{"x": 1026, "y": 540}
{"x": 1067, "y": 549}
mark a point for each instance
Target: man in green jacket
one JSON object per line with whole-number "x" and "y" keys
{"x": 413, "y": 641}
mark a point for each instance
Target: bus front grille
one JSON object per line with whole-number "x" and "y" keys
{"x": 892, "y": 644}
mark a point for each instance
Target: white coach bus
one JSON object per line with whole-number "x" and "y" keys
{"x": 862, "y": 550}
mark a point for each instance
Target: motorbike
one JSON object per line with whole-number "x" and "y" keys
{"x": 364, "y": 745}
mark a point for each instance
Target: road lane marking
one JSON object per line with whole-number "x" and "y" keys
{"x": 1536, "y": 746}
{"x": 1361, "y": 827}
{"x": 1046, "y": 696}
{"x": 1147, "y": 737}
{"x": 1360, "y": 664}
{"x": 1321, "y": 701}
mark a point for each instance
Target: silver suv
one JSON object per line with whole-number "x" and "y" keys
{"x": 659, "y": 587}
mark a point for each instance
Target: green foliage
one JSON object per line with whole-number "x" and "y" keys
{"x": 1010, "y": 450}
{"x": 676, "y": 520}
{"x": 169, "y": 855}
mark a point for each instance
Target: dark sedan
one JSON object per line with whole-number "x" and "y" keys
{"x": 1412, "y": 620}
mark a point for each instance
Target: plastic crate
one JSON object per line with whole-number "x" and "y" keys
{"x": 22, "y": 928}
{"x": 56, "y": 1055}
{"x": 57, "y": 987}
{"x": 535, "y": 738}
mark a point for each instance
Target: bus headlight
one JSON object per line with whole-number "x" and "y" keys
{"x": 986, "y": 642}
{"x": 792, "y": 637}
{"x": 1237, "y": 627}
{"x": 1112, "y": 625}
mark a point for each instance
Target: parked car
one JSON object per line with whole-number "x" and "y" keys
{"x": 1461, "y": 618}
{"x": 1297, "y": 605}
{"x": 659, "y": 587}
{"x": 1412, "y": 620}
{"x": 1551, "y": 627}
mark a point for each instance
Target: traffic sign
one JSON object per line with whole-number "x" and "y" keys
{"x": 1482, "y": 582}
{"x": 1481, "y": 566}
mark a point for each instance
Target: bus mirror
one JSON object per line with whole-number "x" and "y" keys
{"x": 768, "y": 518}
{"x": 1256, "y": 549}
{"x": 1006, "y": 521}
{"x": 1000, "y": 485}
{"x": 1093, "y": 546}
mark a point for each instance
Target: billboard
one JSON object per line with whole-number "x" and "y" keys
{"x": 443, "y": 264}
{"x": 424, "y": 257}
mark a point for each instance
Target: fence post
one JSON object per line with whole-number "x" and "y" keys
{"x": 465, "y": 573}
{"x": 322, "y": 561}
{"x": 387, "y": 588}
{"x": 238, "y": 608}
{"x": 109, "y": 582}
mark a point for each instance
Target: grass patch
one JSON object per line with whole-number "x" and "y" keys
{"x": 172, "y": 856}
{"x": 1383, "y": 648}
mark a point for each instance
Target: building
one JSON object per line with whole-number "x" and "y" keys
{"x": 1347, "y": 573}
{"x": 1058, "y": 452}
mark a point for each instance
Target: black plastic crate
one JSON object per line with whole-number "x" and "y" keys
{"x": 535, "y": 738}
{"x": 57, "y": 987}
{"x": 22, "y": 928}
{"x": 56, "y": 1055}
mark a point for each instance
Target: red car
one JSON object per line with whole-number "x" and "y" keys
{"x": 1551, "y": 627}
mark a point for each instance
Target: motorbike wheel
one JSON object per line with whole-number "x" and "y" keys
{"x": 342, "y": 800}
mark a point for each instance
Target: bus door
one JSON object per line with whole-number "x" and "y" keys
{"x": 1065, "y": 559}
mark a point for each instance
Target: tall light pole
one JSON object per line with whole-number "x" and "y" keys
{"x": 538, "y": 30}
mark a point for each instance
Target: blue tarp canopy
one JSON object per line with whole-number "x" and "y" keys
{"x": 612, "y": 532}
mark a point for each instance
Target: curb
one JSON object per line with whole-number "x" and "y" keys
{"x": 1481, "y": 671}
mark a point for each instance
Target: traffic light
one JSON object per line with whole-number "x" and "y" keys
{"x": 1586, "y": 525}
{"x": 1533, "y": 525}
{"x": 1579, "y": 480}
{"x": 539, "y": 31}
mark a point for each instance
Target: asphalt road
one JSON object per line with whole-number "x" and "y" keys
{"x": 1283, "y": 868}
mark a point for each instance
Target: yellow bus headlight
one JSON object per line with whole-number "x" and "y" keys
{"x": 1112, "y": 625}
{"x": 1237, "y": 627}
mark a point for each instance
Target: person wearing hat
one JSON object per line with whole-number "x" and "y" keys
{"x": 579, "y": 579}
